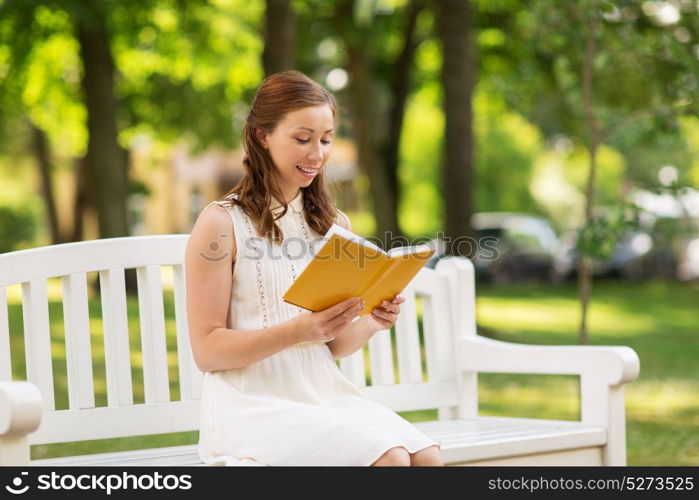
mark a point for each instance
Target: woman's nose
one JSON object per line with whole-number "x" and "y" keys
{"x": 316, "y": 153}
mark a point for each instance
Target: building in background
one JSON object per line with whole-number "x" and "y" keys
{"x": 179, "y": 186}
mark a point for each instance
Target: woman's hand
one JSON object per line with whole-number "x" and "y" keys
{"x": 385, "y": 315}
{"x": 324, "y": 325}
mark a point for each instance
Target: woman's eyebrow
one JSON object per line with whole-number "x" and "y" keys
{"x": 311, "y": 130}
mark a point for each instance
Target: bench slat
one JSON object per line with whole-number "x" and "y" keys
{"x": 381, "y": 358}
{"x": 105, "y": 422}
{"x": 439, "y": 344}
{"x": 499, "y": 437}
{"x": 177, "y": 416}
{"x": 87, "y": 256}
{"x": 411, "y": 397}
{"x": 76, "y": 318}
{"x": 166, "y": 456}
{"x": 352, "y": 367}
{"x": 152, "y": 315}
{"x": 439, "y": 352}
{"x": 408, "y": 340}
{"x": 37, "y": 339}
{"x": 115, "y": 322}
{"x": 465, "y": 440}
{"x": 5, "y": 362}
{"x": 191, "y": 378}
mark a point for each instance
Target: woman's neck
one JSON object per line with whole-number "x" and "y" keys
{"x": 291, "y": 196}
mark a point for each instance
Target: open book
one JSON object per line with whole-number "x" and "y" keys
{"x": 347, "y": 265}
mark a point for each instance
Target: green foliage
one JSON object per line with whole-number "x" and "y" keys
{"x": 598, "y": 237}
{"x": 506, "y": 148}
{"x": 139, "y": 187}
{"x": 187, "y": 69}
{"x": 183, "y": 68}
{"x": 610, "y": 173}
{"x": 690, "y": 130}
{"x": 420, "y": 205}
{"x": 17, "y": 226}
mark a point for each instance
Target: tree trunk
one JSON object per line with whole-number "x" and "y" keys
{"x": 400, "y": 87}
{"x": 81, "y": 200}
{"x": 279, "y": 37}
{"x": 377, "y": 151}
{"x": 43, "y": 160}
{"x": 105, "y": 165}
{"x": 454, "y": 24}
{"x": 364, "y": 98}
{"x": 585, "y": 272}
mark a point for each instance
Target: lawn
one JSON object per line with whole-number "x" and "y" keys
{"x": 660, "y": 320}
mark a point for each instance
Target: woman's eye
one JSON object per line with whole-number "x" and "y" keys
{"x": 307, "y": 140}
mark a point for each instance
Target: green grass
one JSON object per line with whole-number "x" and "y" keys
{"x": 660, "y": 320}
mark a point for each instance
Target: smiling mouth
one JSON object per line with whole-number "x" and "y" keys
{"x": 308, "y": 171}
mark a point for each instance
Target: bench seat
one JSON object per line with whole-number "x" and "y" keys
{"x": 468, "y": 440}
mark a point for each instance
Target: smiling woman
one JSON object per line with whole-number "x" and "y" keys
{"x": 299, "y": 151}
{"x": 272, "y": 392}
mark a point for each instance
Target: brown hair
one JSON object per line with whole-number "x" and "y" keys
{"x": 279, "y": 94}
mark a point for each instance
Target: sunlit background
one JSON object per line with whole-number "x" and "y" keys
{"x": 551, "y": 90}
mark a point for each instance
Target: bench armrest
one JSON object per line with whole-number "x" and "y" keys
{"x": 603, "y": 372}
{"x": 613, "y": 364}
{"x": 20, "y": 415}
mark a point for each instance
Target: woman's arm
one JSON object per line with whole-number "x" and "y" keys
{"x": 209, "y": 261}
{"x": 351, "y": 338}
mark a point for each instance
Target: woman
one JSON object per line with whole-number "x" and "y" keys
{"x": 272, "y": 392}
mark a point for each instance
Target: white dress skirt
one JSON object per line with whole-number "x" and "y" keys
{"x": 295, "y": 407}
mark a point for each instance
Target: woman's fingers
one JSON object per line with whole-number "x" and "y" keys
{"x": 341, "y": 307}
{"x": 390, "y": 306}
{"x": 385, "y": 315}
{"x": 344, "y": 317}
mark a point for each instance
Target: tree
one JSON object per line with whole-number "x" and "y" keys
{"x": 279, "y": 36}
{"x": 105, "y": 160}
{"x": 455, "y": 20}
{"x": 376, "y": 49}
{"x": 136, "y": 73}
{"x": 606, "y": 65}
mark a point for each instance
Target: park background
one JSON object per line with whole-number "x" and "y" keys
{"x": 124, "y": 117}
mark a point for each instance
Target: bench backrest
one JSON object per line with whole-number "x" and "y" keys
{"x": 426, "y": 372}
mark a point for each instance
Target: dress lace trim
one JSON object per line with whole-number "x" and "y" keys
{"x": 260, "y": 284}
{"x": 302, "y": 222}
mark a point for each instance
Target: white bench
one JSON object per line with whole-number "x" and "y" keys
{"x": 453, "y": 352}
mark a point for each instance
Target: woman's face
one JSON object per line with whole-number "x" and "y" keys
{"x": 301, "y": 140}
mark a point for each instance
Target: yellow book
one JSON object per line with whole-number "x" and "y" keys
{"x": 347, "y": 265}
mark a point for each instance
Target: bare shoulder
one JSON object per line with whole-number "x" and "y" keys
{"x": 342, "y": 220}
{"x": 212, "y": 234}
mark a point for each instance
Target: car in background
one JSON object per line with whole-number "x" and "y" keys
{"x": 511, "y": 246}
{"x": 629, "y": 258}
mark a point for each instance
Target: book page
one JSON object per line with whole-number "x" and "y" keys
{"x": 405, "y": 250}
{"x": 344, "y": 233}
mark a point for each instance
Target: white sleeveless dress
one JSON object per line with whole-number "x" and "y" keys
{"x": 295, "y": 407}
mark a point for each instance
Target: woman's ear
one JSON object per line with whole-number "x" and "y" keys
{"x": 262, "y": 137}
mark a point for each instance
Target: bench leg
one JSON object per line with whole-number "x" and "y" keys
{"x": 14, "y": 450}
